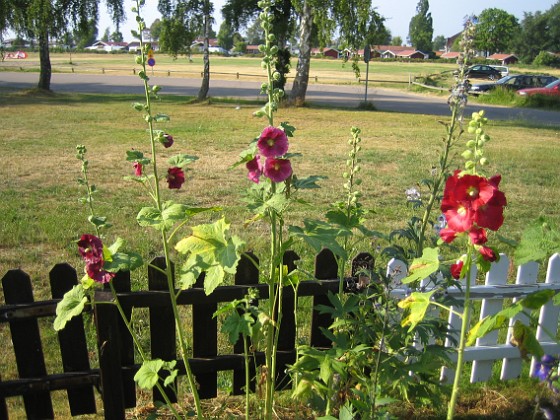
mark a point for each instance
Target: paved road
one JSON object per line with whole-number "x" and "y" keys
{"x": 333, "y": 95}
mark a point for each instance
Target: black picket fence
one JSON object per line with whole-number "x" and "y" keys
{"x": 117, "y": 365}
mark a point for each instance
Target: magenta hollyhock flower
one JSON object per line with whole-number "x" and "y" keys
{"x": 273, "y": 142}
{"x": 277, "y": 170}
{"x": 91, "y": 250}
{"x": 137, "y": 168}
{"x": 255, "y": 168}
{"x": 167, "y": 140}
{"x": 175, "y": 177}
{"x": 456, "y": 270}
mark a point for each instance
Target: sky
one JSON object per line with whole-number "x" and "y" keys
{"x": 448, "y": 15}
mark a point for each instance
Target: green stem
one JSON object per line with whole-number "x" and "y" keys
{"x": 247, "y": 377}
{"x": 463, "y": 337}
{"x": 378, "y": 360}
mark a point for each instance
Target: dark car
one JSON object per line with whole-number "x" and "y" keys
{"x": 552, "y": 89}
{"x": 513, "y": 82}
{"x": 481, "y": 71}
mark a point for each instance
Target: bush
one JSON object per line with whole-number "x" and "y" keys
{"x": 547, "y": 59}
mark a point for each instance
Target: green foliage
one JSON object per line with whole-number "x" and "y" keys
{"x": 540, "y": 240}
{"x": 71, "y": 305}
{"x": 495, "y": 30}
{"x": 423, "y": 267}
{"x": 545, "y": 58}
{"x": 148, "y": 374}
{"x": 420, "y": 29}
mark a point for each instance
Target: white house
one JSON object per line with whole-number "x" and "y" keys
{"x": 108, "y": 46}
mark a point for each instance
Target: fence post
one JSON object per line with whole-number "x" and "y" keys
{"x": 27, "y": 344}
{"x": 162, "y": 325}
{"x": 205, "y": 341}
{"x": 247, "y": 274}
{"x": 326, "y": 268}
{"x": 72, "y": 341}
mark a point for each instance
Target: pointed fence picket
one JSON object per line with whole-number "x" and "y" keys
{"x": 117, "y": 362}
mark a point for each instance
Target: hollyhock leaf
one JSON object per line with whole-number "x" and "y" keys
{"x": 307, "y": 183}
{"x": 423, "y": 267}
{"x": 115, "y": 246}
{"x": 71, "y": 305}
{"x": 122, "y": 261}
{"x": 148, "y": 374}
{"x": 182, "y": 160}
{"x": 137, "y": 156}
{"x": 190, "y": 271}
{"x": 99, "y": 221}
{"x": 150, "y": 216}
{"x": 288, "y": 129}
{"x": 417, "y": 304}
{"x": 494, "y": 322}
{"x": 537, "y": 299}
{"x": 524, "y": 339}
{"x": 319, "y": 235}
{"x": 161, "y": 118}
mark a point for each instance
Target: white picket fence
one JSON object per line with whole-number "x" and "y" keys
{"x": 487, "y": 349}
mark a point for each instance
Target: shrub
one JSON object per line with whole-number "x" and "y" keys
{"x": 547, "y": 59}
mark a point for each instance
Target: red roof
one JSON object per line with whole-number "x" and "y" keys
{"x": 500, "y": 56}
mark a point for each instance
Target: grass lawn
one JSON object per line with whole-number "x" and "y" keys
{"x": 41, "y": 218}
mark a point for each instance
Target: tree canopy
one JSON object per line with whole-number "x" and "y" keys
{"x": 421, "y": 29}
{"x": 495, "y": 31}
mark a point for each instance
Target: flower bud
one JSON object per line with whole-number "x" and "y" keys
{"x": 484, "y": 161}
{"x": 274, "y": 50}
{"x": 139, "y": 59}
{"x": 467, "y": 154}
{"x": 471, "y": 144}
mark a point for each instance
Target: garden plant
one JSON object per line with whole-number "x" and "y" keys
{"x": 382, "y": 350}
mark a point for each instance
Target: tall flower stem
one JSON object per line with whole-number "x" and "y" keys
{"x": 463, "y": 337}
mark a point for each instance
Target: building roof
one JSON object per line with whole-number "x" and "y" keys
{"x": 501, "y": 56}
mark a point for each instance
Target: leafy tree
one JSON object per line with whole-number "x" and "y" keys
{"x": 84, "y": 37}
{"x": 397, "y": 41}
{"x": 547, "y": 59}
{"x": 225, "y": 36}
{"x": 420, "y": 29}
{"x": 438, "y": 43}
{"x": 255, "y": 33}
{"x": 495, "y": 30}
{"x": 155, "y": 29}
{"x": 538, "y": 32}
{"x": 182, "y": 22}
{"x": 117, "y": 36}
{"x": 207, "y": 9}
{"x": 106, "y": 35}
{"x": 46, "y": 19}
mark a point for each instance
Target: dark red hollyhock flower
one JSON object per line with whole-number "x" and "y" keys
{"x": 175, "y": 177}
{"x": 448, "y": 235}
{"x": 478, "y": 236}
{"x": 91, "y": 249}
{"x": 488, "y": 253}
{"x": 273, "y": 142}
{"x": 456, "y": 270}
{"x": 277, "y": 170}
{"x": 137, "y": 168}
{"x": 167, "y": 140}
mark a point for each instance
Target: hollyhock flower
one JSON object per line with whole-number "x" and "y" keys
{"x": 448, "y": 235}
{"x": 456, "y": 270}
{"x": 488, "y": 253}
{"x": 277, "y": 170}
{"x": 91, "y": 250}
{"x": 137, "y": 168}
{"x": 273, "y": 142}
{"x": 175, "y": 177}
{"x": 167, "y": 140}
{"x": 478, "y": 236}
{"x": 255, "y": 168}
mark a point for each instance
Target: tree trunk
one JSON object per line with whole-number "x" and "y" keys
{"x": 299, "y": 88}
{"x": 44, "y": 57}
{"x": 203, "y": 92}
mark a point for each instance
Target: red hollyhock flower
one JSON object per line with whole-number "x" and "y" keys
{"x": 488, "y": 253}
{"x": 478, "y": 236}
{"x": 255, "y": 169}
{"x": 448, "y": 235}
{"x": 456, "y": 270}
{"x": 175, "y": 177}
{"x": 277, "y": 170}
{"x": 91, "y": 249}
{"x": 137, "y": 168}
{"x": 273, "y": 142}
{"x": 167, "y": 140}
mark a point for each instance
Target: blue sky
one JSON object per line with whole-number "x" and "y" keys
{"x": 447, "y": 14}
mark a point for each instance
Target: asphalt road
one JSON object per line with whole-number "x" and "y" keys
{"x": 334, "y": 95}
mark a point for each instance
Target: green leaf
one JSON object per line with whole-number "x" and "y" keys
{"x": 494, "y": 322}
{"x": 99, "y": 221}
{"x": 417, "y": 304}
{"x": 181, "y": 160}
{"x": 537, "y": 299}
{"x": 150, "y": 216}
{"x": 423, "y": 267}
{"x": 147, "y": 376}
{"x": 539, "y": 240}
{"x": 115, "y": 246}
{"x": 71, "y": 305}
{"x": 288, "y": 129}
{"x": 307, "y": 183}
{"x": 137, "y": 156}
{"x": 161, "y": 118}
{"x": 122, "y": 261}
{"x": 319, "y": 235}
{"x": 237, "y": 324}
{"x": 524, "y": 338}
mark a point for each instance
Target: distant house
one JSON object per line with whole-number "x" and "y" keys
{"x": 325, "y": 52}
{"x": 506, "y": 59}
{"x": 252, "y": 49}
{"x": 134, "y": 46}
{"x": 451, "y": 40}
{"x": 108, "y": 46}
{"x": 452, "y": 55}
{"x": 412, "y": 54}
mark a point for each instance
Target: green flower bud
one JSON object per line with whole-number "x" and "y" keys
{"x": 139, "y": 59}
{"x": 274, "y": 50}
{"x": 262, "y": 48}
{"x": 484, "y": 161}
{"x": 479, "y": 131}
{"x": 469, "y": 164}
{"x": 276, "y": 76}
{"x": 264, "y": 86}
{"x": 345, "y": 175}
{"x": 271, "y": 37}
{"x": 471, "y": 144}
{"x": 467, "y": 154}
{"x": 471, "y": 129}
{"x": 156, "y": 88}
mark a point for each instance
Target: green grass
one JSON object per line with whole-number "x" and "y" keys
{"x": 41, "y": 218}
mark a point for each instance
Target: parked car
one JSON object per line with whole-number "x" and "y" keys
{"x": 504, "y": 70}
{"x": 513, "y": 82}
{"x": 552, "y": 89}
{"x": 480, "y": 71}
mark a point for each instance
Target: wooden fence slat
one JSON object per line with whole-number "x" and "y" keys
{"x": 482, "y": 370}
{"x": 526, "y": 274}
{"x": 73, "y": 344}
{"x": 110, "y": 362}
{"x": 287, "y": 333}
{"x": 247, "y": 274}
{"x": 205, "y": 341}
{"x": 326, "y": 268}
{"x": 162, "y": 326}
{"x": 27, "y": 344}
